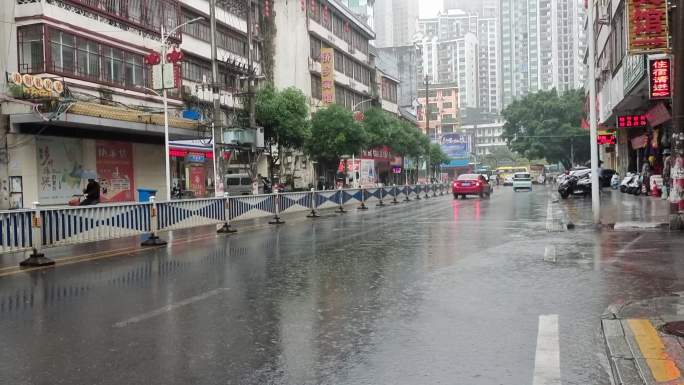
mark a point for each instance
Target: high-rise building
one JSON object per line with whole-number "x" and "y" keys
{"x": 395, "y": 22}
{"x": 406, "y": 59}
{"x": 461, "y": 47}
{"x": 541, "y": 46}
{"x": 363, "y": 9}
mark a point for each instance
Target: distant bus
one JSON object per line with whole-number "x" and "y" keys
{"x": 506, "y": 173}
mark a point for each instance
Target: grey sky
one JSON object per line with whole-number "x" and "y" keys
{"x": 429, "y": 8}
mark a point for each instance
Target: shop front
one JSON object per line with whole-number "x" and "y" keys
{"x": 192, "y": 171}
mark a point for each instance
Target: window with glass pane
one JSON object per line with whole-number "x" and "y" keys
{"x": 62, "y": 51}
{"x": 87, "y": 58}
{"x": 30, "y": 39}
{"x": 133, "y": 70}
{"x": 113, "y": 65}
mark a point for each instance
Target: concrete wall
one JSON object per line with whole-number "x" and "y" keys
{"x": 292, "y": 47}
{"x": 148, "y": 163}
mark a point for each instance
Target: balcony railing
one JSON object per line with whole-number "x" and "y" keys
{"x": 145, "y": 15}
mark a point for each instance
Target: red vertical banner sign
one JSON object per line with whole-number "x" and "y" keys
{"x": 659, "y": 77}
{"x": 198, "y": 178}
{"x": 115, "y": 171}
{"x": 328, "y": 76}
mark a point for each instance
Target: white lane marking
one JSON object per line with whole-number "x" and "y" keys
{"x": 547, "y": 359}
{"x": 170, "y": 307}
{"x": 628, "y": 246}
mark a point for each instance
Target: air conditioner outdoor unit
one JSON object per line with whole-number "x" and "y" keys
{"x": 260, "y": 142}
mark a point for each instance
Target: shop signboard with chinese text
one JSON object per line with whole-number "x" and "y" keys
{"x": 328, "y": 76}
{"x": 26, "y": 86}
{"x": 634, "y": 120}
{"x": 606, "y": 137}
{"x": 647, "y": 26}
{"x": 115, "y": 171}
{"x": 60, "y": 168}
{"x": 198, "y": 179}
{"x": 659, "y": 77}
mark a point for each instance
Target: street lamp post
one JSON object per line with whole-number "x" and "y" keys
{"x": 595, "y": 197}
{"x": 163, "y": 49}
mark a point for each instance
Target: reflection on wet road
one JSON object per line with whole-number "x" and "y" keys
{"x": 433, "y": 292}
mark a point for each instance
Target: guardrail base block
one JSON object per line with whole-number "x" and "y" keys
{"x": 153, "y": 240}
{"x": 362, "y": 207}
{"x": 313, "y": 214}
{"x": 381, "y": 204}
{"x": 341, "y": 210}
{"x": 276, "y": 221}
{"x": 36, "y": 259}
{"x": 226, "y": 229}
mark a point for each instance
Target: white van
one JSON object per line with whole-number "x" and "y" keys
{"x": 238, "y": 184}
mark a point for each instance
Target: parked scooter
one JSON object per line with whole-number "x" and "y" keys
{"x": 631, "y": 184}
{"x": 615, "y": 181}
{"x": 575, "y": 183}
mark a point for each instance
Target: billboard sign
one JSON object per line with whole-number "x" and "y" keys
{"x": 648, "y": 30}
{"x": 456, "y": 145}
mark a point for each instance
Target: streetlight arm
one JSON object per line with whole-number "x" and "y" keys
{"x": 164, "y": 38}
{"x": 360, "y": 103}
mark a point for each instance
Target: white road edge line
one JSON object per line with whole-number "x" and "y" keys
{"x": 547, "y": 359}
{"x": 170, "y": 307}
{"x": 631, "y": 243}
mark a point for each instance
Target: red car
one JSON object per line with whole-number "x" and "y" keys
{"x": 471, "y": 184}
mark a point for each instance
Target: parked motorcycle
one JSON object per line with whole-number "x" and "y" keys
{"x": 575, "y": 183}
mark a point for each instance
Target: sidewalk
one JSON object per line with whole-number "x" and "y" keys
{"x": 639, "y": 351}
{"x": 620, "y": 210}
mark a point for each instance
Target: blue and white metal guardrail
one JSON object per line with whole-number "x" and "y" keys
{"x": 44, "y": 227}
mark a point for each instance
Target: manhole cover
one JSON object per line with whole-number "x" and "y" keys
{"x": 674, "y": 328}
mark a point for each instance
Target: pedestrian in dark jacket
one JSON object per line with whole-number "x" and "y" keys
{"x": 667, "y": 171}
{"x": 92, "y": 193}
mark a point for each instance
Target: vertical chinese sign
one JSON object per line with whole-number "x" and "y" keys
{"x": 648, "y": 26}
{"x": 328, "y": 76}
{"x": 60, "y": 167}
{"x": 198, "y": 178}
{"x": 115, "y": 171}
{"x": 659, "y": 79}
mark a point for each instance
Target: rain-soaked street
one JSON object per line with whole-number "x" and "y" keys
{"x": 433, "y": 292}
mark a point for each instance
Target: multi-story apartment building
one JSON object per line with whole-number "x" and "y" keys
{"x": 541, "y": 46}
{"x": 486, "y": 136}
{"x": 363, "y": 9}
{"x": 324, "y": 24}
{"x": 441, "y": 107}
{"x": 395, "y": 22}
{"x": 103, "y": 119}
{"x": 406, "y": 59}
{"x": 623, "y": 96}
{"x": 461, "y": 47}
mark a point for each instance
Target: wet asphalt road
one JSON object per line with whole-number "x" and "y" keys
{"x": 430, "y": 292}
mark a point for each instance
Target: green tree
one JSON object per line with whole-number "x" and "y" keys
{"x": 285, "y": 118}
{"x": 379, "y": 126}
{"x": 546, "y": 125}
{"x": 437, "y": 156}
{"x": 334, "y": 133}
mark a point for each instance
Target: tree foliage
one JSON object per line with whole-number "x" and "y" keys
{"x": 546, "y": 125}
{"x": 284, "y": 116}
{"x": 334, "y": 133}
{"x": 437, "y": 156}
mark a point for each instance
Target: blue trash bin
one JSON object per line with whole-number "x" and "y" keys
{"x": 145, "y": 194}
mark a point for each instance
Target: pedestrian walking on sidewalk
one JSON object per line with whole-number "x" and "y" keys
{"x": 667, "y": 172}
{"x": 646, "y": 176}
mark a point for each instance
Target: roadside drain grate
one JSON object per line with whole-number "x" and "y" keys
{"x": 674, "y": 328}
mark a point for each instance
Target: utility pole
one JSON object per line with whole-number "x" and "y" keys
{"x": 217, "y": 122}
{"x": 677, "y": 142}
{"x": 595, "y": 197}
{"x": 250, "y": 65}
{"x": 427, "y": 123}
